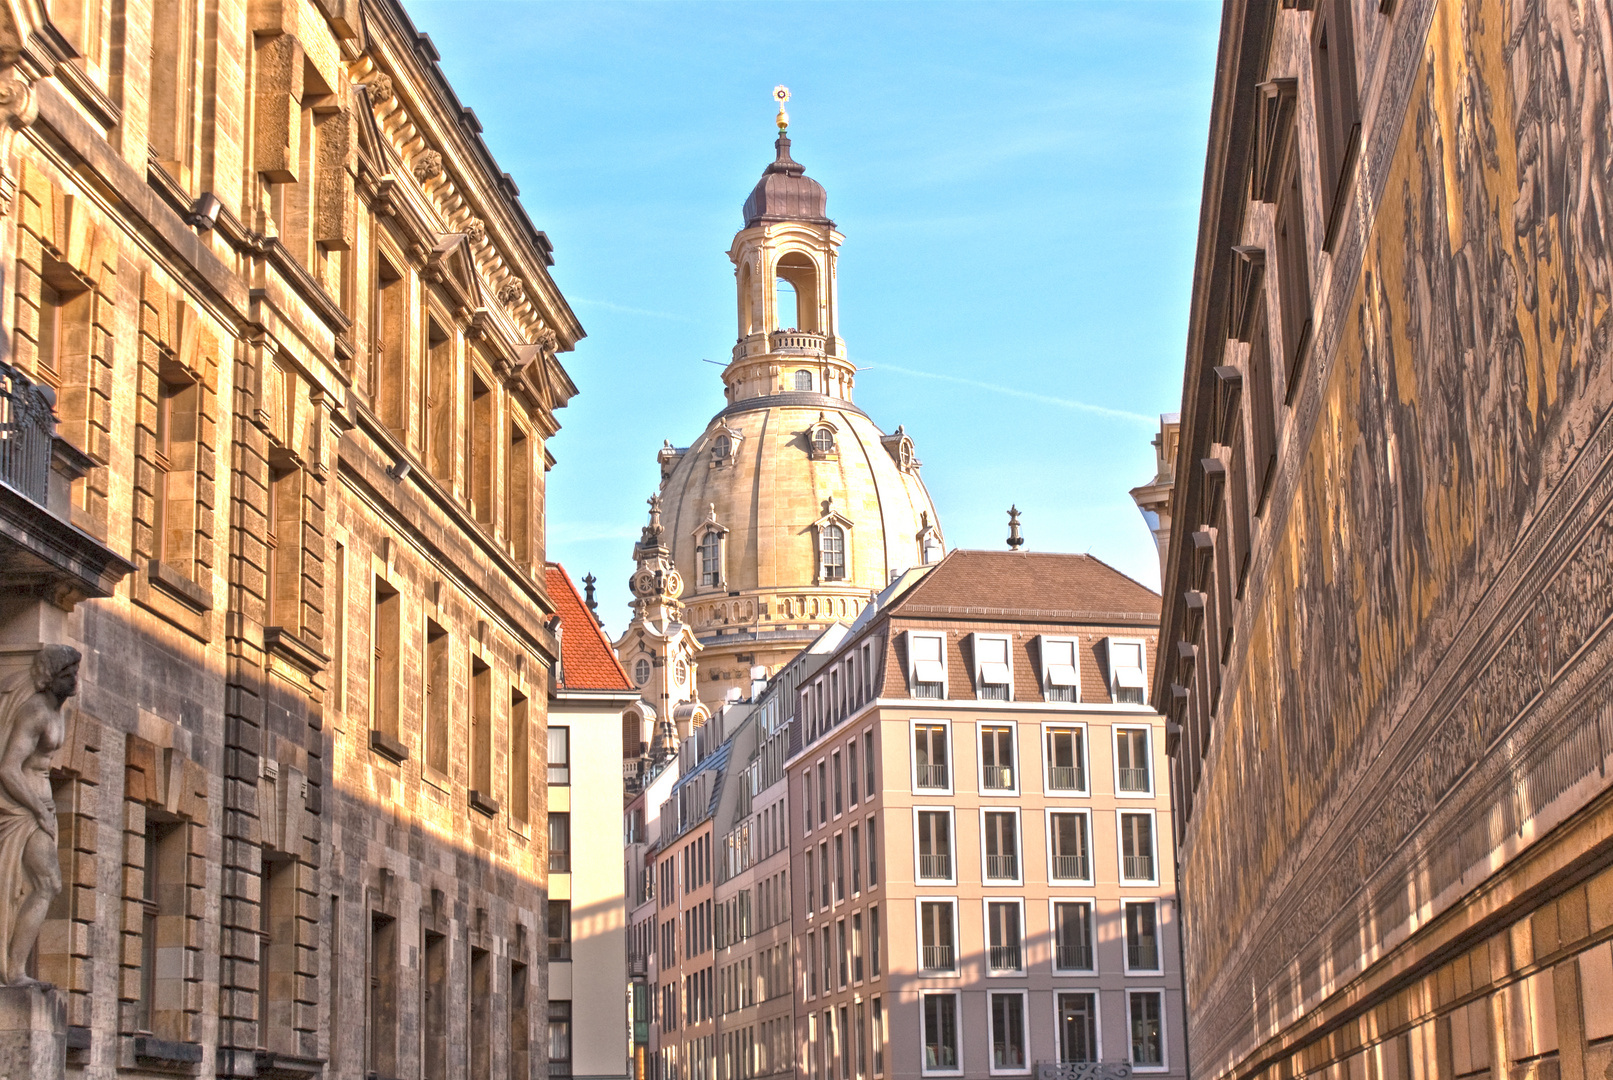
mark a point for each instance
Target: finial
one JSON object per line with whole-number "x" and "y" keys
{"x": 781, "y": 94}
{"x": 588, "y": 584}
{"x": 1015, "y": 541}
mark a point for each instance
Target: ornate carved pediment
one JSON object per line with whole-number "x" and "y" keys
{"x": 451, "y": 266}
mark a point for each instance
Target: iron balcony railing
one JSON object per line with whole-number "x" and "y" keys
{"x": 1002, "y": 867}
{"x": 1005, "y": 958}
{"x": 1142, "y": 955}
{"x": 932, "y": 776}
{"x": 937, "y": 957}
{"x": 1134, "y": 780}
{"x": 27, "y": 426}
{"x": 935, "y": 867}
{"x": 1137, "y": 867}
{"x": 1070, "y": 868}
{"x": 1066, "y": 778}
{"x": 999, "y": 777}
{"x": 1073, "y": 957}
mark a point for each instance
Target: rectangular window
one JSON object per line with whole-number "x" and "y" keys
{"x": 806, "y": 800}
{"x": 868, "y": 762}
{"x": 839, "y": 804}
{"x": 162, "y": 885}
{"x": 873, "y": 942}
{"x": 283, "y": 541}
{"x": 1061, "y": 679}
{"x": 812, "y": 965}
{"x": 389, "y": 370}
{"x": 1136, "y": 847}
{"x": 1293, "y": 270}
{"x": 559, "y": 755}
{"x": 1126, "y": 678}
{"x": 935, "y": 845}
{"x": 381, "y": 997}
{"x": 856, "y": 861}
{"x": 997, "y": 758}
{"x": 434, "y": 1004}
{"x": 1071, "y": 855}
{"x": 1066, "y": 759}
{"x": 823, "y": 873}
{"x": 840, "y": 867}
{"x": 1007, "y": 1032}
{"x": 1147, "y": 1034}
{"x": 1131, "y": 762}
{"x": 878, "y": 1035}
{"x": 1072, "y": 935}
{"x": 873, "y": 856}
{"x": 437, "y": 695}
{"x": 338, "y": 627}
{"x": 823, "y": 794}
{"x": 811, "y": 880}
{"x": 560, "y": 930}
{"x": 927, "y": 673}
{"x": 479, "y": 450}
{"x": 1078, "y": 1028}
{"x": 1004, "y": 946}
{"x": 519, "y": 1019}
{"x": 559, "y": 843}
{"x": 520, "y": 758}
{"x": 828, "y": 962}
{"x": 862, "y": 1039}
{"x": 936, "y": 945}
{"x": 387, "y": 664}
{"x": 440, "y": 420}
{"x": 559, "y": 1038}
{"x": 1001, "y": 829}
{"x": 518, "y": 494}
{"x": 857, "y": 947}
{"x": 851, "y": 770}
{"x": 940, "y": 1032}
{"x": 1338, "y": 113}
{"x": 1142, "y": 938}
{"x": 930, "y": 757}
{"x": 174, "y": 462}
{"x": 842, "y": 952}
{"x": 481, "y": 732}
{"x": 993, "y": 675}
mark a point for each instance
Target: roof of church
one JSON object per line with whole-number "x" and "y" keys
{"x": 786, "y": 193}
{"x": 586, "y": 658}
{"x": 1027, "y": 584}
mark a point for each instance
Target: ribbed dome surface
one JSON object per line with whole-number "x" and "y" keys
{"x": 786, "y": 193}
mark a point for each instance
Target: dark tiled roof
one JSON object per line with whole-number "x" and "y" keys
{"x": 1028, "y": 585}
{"x": 586, "y": 658}
{"x": 786, "y": 193}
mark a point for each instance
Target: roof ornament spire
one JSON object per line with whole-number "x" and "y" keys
{"x": 1015, "y": 541}
{"x": 781, "y": 94}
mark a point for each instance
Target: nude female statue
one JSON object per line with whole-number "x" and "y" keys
{"x": 31, "y": 731}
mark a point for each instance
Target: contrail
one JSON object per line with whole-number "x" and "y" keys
{"x": 1065, "y": 403}
{"x": 623, "y": 308}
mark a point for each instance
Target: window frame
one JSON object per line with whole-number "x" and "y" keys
{"x": 1164, "y": 1028}
{"x": 952, "y": 845}
{"x": 913, "y": 724}
{"x": 912, "y": 664}
{"x": 1114, "y": 750}
{"x": 975, "y": 641}
{"x": 1018, "y": 880}
{"x": 957, "y": 1032}
{"x": 1120, "y": 841}
{"x": 1085, "y": 790}
{"x": 717, "y": 537}
{"x": 1088, "y": 882}
{"x": 918, "y": 935}
{"x": 822, "y": 532}
{"x": 1011, "y": 792}
{"x": 1112, "y": 673}
{"x": 1024, "y": 1032}
{"x": 1097, "y": 1022}
{"x": 1043, "y": 673}
{"x": 548, "y": 754}
{"x": 1125, "y": 938}
{"x": 1092, "y": 937}
{"x": 985, "y": 925}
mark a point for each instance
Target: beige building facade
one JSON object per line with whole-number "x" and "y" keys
{"x": 300, "y": 340}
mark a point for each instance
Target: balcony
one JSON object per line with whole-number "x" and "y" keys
{"x": 1005, "y": 958}
{"x": 797, "y": 342}
{"x": 1142, "y": 955}
{"x": 935, "y": 867}
{"x": 1070, "y": 868}
{"x": 1137, "y": 868}
{"x": 1073, "y": 958}
{"x": 998, "y": 777}
{"x": 638, "y": 966}
{"x": 1134, "y": 780}
{"x": 932, "y": 776}
{"x": 1002, "y": 868}
{"x": 936, "y": 958}
{"x": 1066, "y": 778}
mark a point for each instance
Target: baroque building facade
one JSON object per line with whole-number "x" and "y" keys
{"x": 300, "y": 342}
{"x": 792, "y": 508}
{"x": 1386, "y": 638}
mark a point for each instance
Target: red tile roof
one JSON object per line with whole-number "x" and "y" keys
{"x": 587, "y": 659}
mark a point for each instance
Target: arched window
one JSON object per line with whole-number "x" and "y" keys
{"x": 721, "y": 447}
{"x": 832, "y": 553}
{"x": 823, "y": 441}
{"x": 710, "y": 558}
{"x": 803, "y": 380}
{"x": 641, "y": 671}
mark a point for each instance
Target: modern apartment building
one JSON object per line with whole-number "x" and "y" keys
{"x": 587, "y": 1033}
{"x": 981, "y": 862}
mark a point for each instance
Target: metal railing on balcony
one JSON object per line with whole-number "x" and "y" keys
{"x": 1002, "y": 867}
{"x": 1134, "y": 780}
{"x": 1070, "y": 868}
{"x": 1137, "y": 867}
{"x": 932, "y": 776}
{"x": 1066, "y": 778}
{"x": 998, "y": 777}
{"x": 638, "y": 965}
{"x": 27, "y": 426}
{"x": 1073, "y": 957}
{"x": 935, "y": 867}
{"x": 1142, "y": 955}
{"x": 1005, "y": 958}
{"x": 937, "y": 958}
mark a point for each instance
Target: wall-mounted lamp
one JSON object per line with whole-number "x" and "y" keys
{"x": 204, "y": 214}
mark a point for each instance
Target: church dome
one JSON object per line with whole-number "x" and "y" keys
{"x": 786, "y": 193}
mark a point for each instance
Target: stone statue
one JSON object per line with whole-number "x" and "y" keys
{"x": 31, "y": 730}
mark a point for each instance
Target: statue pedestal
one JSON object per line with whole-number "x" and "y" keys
{"x": 33, "y": 1032}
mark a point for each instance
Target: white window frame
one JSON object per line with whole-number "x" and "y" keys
{"x": 1085, "y": 791}
{"x": 721, "y": 534}
{"x": 978, "y": 674}
{"x": 1052, "y": 933}
{"x": 1097, "y": 1018}
{"x": 1024, "y": 1032}
{"x": 957, "y": 1026}
{"x": 820, "y": 535}
{"x": 952, "y": 838}
{"x": 980, "y": 759}
{"x": 1088, "y": 882}
{"x": 912, "y": 664}
{"x": 1114, "y": 680}
{"x": 1164, "y": 1029}
{"x": 1120, "y": 857}
{"x": 1042, "y": 642}
{"x": 1019, "y": 846}
{"x": 985, "y": 936}
{"x": 1148, "y": 751}
{"x": 913, "y": 756}
{"x": 1159, "y": 940}
{"x": 918, "y": 939}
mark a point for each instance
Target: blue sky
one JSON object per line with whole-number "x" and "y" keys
{"x": 1018, "y": 185}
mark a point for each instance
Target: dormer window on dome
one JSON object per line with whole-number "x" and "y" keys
{"x": 833, "y": 533}
{"x": 725, "y": 445}
{"x": 710, "y": 551}
{"x": 821, "y": 439}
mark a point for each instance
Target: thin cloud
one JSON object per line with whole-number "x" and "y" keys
{"x": 1063, "y": 403}
{"x": 624, "y": 309}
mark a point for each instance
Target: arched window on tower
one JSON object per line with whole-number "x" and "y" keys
{"x": 785, "y": 304}
{"x": 711, "y": 558}
{"x": 832, "y": 553}
{"x": 803, "y": 380}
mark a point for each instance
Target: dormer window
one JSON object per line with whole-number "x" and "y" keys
{"x": 803, "y": 380}
{"x": 926, "y": 665}
{"x": 823, "y": 442}
{"x": 832, "y": 553}
{"x": 711, "y": 559}
{"x": 1127, "y": 682}
{"x": 1060, "y": 679}
{"x": 721, "y": 448}
{"x": 993, "y": 674}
